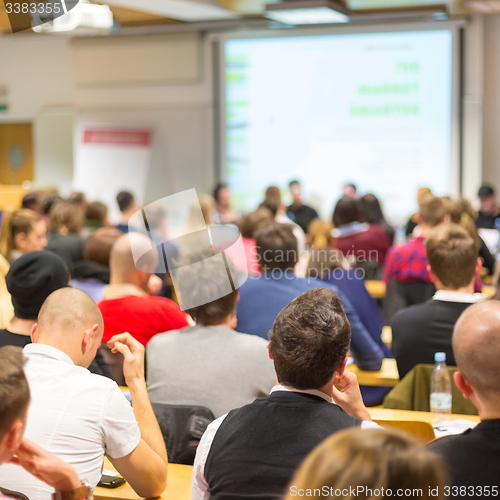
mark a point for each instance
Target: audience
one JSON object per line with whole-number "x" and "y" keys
{"x": 253, "y": 451}
{"x": 419, "y": 331}
{"x": 79, "y": 200}
{"x": 65, "y": 224}
{"x": 209, "y": 364}
{"x": 489, "y": 211}
{"x": 413, "y": 221}
{"x": 80, "y": 416}
{"x": 297, "y": 211}
{"x": 33, "y": 201}
{"x": 263, "y": 297}
{"x": 22, "y": 231}
{"x": 373, "y": 214}
{"x": 319, "y": 236}
{"x": 371, "y": 460}
{"x": 473, "y": 458}
{"x": 14, "y": 448}
{"x": 126, "y": 305}
{"x": 128, "y": 207}
{"x": 362, "y": 243}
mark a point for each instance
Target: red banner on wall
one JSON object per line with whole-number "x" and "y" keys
{"x": 117, "y": 136}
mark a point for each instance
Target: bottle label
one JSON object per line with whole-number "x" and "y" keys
{"x": 440, "y": 401}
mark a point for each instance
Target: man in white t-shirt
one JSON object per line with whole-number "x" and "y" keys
{"x": 79, "y": 416}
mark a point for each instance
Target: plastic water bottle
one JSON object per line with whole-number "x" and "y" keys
{"x": 440, "y": 388}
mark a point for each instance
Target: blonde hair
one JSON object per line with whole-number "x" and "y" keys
{"x": 67, "y": 215}
{"x": 371, "y": 459}
{"x": 14, "y": 223}
{"x": 462, "y": 213}
{"x": 319, "y": 234}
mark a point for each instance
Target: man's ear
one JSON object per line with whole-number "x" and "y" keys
{"x": 479, "y": 267}
{"x": 462, "y": 383}
{"x": 341, "y": 369}
{"x": 269, "y": 351}
{"x": 432, "y": 276}
{"x": 88, "y": 337}
{"x": 15, "y": 436}
{"x": 33, "y": 332}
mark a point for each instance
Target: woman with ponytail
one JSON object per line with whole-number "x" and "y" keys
{"x": 22, "y": 231}
{"x": 463, "y": 213}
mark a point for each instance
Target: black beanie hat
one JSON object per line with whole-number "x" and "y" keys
{"x": 32, "y": 278}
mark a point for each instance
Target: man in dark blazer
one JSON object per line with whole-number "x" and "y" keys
{"x": 473, "y": 458}
{"x": 419, "y": 331}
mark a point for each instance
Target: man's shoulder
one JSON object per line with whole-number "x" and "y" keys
{"x": 417, "y": 313}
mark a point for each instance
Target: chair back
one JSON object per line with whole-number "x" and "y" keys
{"x": 423, "y": 431}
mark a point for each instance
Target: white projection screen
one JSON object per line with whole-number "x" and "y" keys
{"x": 378, "y": 109}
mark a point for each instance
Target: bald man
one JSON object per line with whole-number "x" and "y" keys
{"x": 126, "y": 304}
{"x": 79, "y": 416}
{"x": 473, "y": 458}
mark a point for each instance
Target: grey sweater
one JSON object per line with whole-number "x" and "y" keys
{"x": 211, "y": 366}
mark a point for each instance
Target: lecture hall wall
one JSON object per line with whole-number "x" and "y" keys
{"x": 165, "y": 82}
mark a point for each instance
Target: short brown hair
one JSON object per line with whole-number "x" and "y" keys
{"x": 254, "y": 221}
{"x": 205, "y": 279}
{"x": 96, "y": 211}
{"x": 98, "y": 246}
{"x": 347, "y": 210}
{"x": 309, "y": 339}
{"x": 14, "y": 390}
{"x": 374, "y": 459}
{"x": 67, "y": 215}
{"x": 276, "y": 247}
{"x": 452, "y": 255}
{"x": 433, "y": 210}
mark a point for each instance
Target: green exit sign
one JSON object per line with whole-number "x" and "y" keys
{"x": 3, "y": 107}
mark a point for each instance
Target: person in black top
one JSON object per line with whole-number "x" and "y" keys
{"x": 301, "y": 214}
{"x": 473, "y": 458}
{"x": 30, "y": 280}
{"x": 489, "y": 211}
{"x": 419, "y": 331}
{"x": 253, "y": 451}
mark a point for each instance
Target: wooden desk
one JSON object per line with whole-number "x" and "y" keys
{"x": 178, "y": 485}
{"x": 387, "y": 376}
{"x": 424, "y": 416}
{"x": 375, "y": 288}
{"x": 387, "y": 336}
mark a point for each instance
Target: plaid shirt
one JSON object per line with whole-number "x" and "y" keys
{"x": 407, "y": 262}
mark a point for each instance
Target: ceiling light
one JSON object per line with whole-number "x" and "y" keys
{"x": 297, "y": 12}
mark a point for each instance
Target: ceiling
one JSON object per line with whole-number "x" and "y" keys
{"x": 129, "y": 13}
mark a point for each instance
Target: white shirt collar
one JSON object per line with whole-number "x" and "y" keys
{"x": 448, "y": 296}
{"x": 47, "y": 351}
{"x": 313, "y": 392}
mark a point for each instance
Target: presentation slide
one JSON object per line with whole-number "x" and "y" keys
{"x": 370, "y": 109}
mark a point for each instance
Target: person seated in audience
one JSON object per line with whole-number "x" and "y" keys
{"x": 126, "y": 305}
{"x": 462, "y": 213}
{"x": 96, "y": 217}
{"x": 263, "y": 297}
{"x": 360, "y": 242}
{"x": 223, "y": 213}
{"x": 273, "y": 199}
{"x": 249, "y": 226}
{"x": 22, "y": 231}
{"x": 391, "y": 461}
{"x": 319, "y": 236}
{"x": 14, "y": 448}
{"x": 209, "y": 364}
{"x": 30, "y": 280}
{"x": 473, "y": 458}
{"x": 128, "y": 207}
{"x": 408, "y": 262}
{"x": 253, "y": 451}
{"x": 79, "y": 200}
{"x": 65, "y": 224}
{"x": 419, "y": 331}
{"x": 33, "y": 201}
{"x": 373, "y": 214}
{"x": 489, "y": 211}
{"x": 297, "y": 211}
{"x": 414, "y": 220}
{"x": 79, "y": 416}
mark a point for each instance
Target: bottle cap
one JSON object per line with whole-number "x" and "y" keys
{"x": 439, "y": 357}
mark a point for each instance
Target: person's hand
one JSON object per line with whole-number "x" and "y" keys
{"x": 349, "y": 396}
{"x": 155, "y": 284}
{"x": 46, "y": 467}
{"x": 133, "y": 356}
